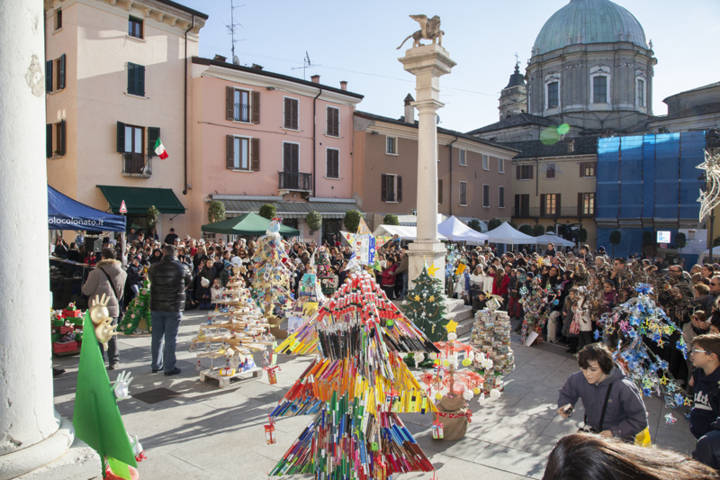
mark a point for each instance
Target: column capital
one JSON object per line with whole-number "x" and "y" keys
{"x": 432, "y": 59}
{"x": 428, "y": 105}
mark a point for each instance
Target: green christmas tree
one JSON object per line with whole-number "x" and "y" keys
{"x": 425, "y": 307}
{"x": 137, "y": 316}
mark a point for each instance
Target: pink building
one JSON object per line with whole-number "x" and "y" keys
{"x": 261, "y": 137}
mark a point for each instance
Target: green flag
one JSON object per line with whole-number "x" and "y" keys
{"x": 96, "y": 417}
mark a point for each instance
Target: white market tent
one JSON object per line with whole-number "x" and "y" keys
{"x": 457, "y": 231}
{"x": 508, "y": 235}
{"x": 403, "y": 232}
{"x": 556, "y": 240}
{"x": 411, "y": 220}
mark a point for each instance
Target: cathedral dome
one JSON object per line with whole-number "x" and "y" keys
{"x": 589, "y": 21}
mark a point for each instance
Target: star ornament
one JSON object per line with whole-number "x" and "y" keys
{"x": 451, "y": 326}
{"x": 432, "y": 270}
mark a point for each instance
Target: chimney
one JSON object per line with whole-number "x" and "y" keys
{"x": 343, "y": 84}
{"x": 409, "y": 109}
{"x": 315, "y": 78}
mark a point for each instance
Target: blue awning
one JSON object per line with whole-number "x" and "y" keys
{"x": 64, "y": 213}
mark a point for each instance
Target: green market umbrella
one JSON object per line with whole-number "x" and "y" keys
{"x": 248, "y": 224}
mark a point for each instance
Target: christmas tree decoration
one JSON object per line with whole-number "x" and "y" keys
{"x": 66, "y": 330}
{"x": 356, "y": 388}
{"x": 432, "y": 270}
{"x": 428, "y": 315}
{"x": 271, "y": 281}
{"x": 628, "y": 330}
{"x": 491, "y": 336}
{"x": 137, "y": 317}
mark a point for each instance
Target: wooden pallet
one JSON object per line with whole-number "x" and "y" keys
{"x": 222, "y": 381}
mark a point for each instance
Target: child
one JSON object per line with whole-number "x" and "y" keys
{"x": 581, "y": 319}
{"x": 216, "y": 293}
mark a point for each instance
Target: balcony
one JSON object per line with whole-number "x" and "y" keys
{"x": 295, "y": 181}
{"x": 563, "y": 212}
{"x": 136, "y": 165}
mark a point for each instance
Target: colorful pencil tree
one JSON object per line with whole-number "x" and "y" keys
{"x": 355, "y": 388}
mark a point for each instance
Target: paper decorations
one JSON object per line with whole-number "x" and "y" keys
{"x": 491, "y": 336}
{"x": 355, "y": 388}
{"x": 425, "y": 306}
{"x": 271, "y": 281}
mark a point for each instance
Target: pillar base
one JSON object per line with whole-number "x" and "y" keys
{"x": 58, "y": 457}
{"x": 421, "y": 253}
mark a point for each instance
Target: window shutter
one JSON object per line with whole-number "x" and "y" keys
{"x": 542, "y": 205}
{"x": 229, "y": 163}
{"x": 383, "y": 188}
{"x": 48, "y": 76}
{"x": 131, "y": 78}
{"x": 120, "y": 137}
{"x": 255, "y": 154}
{"x": 229, "y": 103}
{"x": 255, "y": 107}
{"x": 61, "y": 138}
{"x": 153, "y": 134}
{"x": 558, "y": 205}
{"x": 517, "y": 172}
{"x": 580, "y": 205}
{"x": 61, "y": 72}
{"x": 140, "y": 82}
{"x": 48, "y": 140}
{"x": 440, "y": 192}
{"x": 329, "y": 119}
{"x": 398, "y": 197}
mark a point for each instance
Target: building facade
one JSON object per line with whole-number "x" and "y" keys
{"x": 473, "y": 175}
{"x": 115, "y": 82}
{"x": 261, "y": 137}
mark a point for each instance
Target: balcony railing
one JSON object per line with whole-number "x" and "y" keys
{"x": 136, "y": 165}
{"x": 297, "y": 181}
{"x": 534, "y": 212}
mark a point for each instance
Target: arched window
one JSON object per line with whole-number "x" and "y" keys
{"x": 600, "y": 85}
{"x": 640, "y": 92}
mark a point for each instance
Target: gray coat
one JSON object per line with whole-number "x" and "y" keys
{"x": 97, "y": 284}
{"x": 625, "y": 415}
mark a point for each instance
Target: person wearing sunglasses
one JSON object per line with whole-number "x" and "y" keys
{"x": 704, "y": 422}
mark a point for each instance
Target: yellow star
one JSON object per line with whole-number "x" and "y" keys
{"x": 432, "y": 269}
{"x": 664, "y": 380}
{"x": 451, "y": 326}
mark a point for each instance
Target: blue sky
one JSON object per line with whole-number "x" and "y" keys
{"x": 356, "y": 41}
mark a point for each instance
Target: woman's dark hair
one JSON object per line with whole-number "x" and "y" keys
{"x": 582, "y": 456}
{"x": 599, "y": 353}
{"x": 108, "y": 253}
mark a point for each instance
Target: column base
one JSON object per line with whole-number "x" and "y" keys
{"x": 428, "y": 253}
{"x": 57, "y": 457}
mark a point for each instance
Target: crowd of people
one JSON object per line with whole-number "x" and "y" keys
{"x": 558, "y": 295}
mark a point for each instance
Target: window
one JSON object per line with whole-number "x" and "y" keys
{"x": 60, "y": 72}
{"x": 586, "y": 204}
{"x": 391, "y": 145}
{"x": 463, "y": 193}
{"x": 640, "y": 92}
{"x": 290, "y": 113}
{"x": 391, "y": 188}
{"x": 243, "y": 153}
{"x": 333, "y": 122}
{"x": 522, "y": 205}
{"x": 58, "y": 19}
{"x": 485, "y": 162}
{"x": 501, "y": 197}
{"x": 587, "y": 169}
{"x": 136, "y": 79}
{"x": 242, "y": 105}
{"x": 48, "y": 76}
{"x": 550, "y": 204}
{"x": 55, "y": 132}
{"x": 130, "y": 143}
{"x": 333, "y": 163}
{"x": 600, "y": 89}
{"x": 440, "y": 192}
{"x": 501, "y": 165}
{"x": 550, "y": 170}
{"x": 524, "y": 172}
{"x": 552, "y": 95}
{"x": 486, "y": 196}
{"x": 462, "y": 159}
{"x": 133, "y": 139}
{"x": 135, "y": 27}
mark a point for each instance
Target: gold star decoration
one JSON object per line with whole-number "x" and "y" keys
{"x": 432, "y": 270}
{"x": 451, "y": 326}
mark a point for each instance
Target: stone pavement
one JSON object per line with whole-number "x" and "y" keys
{"x": 205, "y": 432}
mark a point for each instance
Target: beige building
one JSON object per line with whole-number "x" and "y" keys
{"x": 116, "y": 83}
{"x": 474, "y": 176}
{"x": 554, "y": 185}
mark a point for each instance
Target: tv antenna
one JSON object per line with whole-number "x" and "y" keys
{"x": 307, "y": 63}
{"x": 233, "y": 27}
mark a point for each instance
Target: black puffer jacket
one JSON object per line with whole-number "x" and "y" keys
{"x": 168, "y": 278}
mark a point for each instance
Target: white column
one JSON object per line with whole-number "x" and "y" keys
{"x": 427, "y": 63}
{"x": 31, "y": 436}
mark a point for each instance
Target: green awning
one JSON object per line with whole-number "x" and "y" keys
{"x": 248, "y": 224}
{"x": 139, "y": 199}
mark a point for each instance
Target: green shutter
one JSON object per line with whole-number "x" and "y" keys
{"x": 153, "y": 134}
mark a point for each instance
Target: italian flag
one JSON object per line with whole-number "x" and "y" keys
{"x": 160, "y": 150}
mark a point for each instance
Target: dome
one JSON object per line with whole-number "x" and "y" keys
{"x": 589, "y": 21}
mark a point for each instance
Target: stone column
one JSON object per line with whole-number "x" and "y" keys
{"x": 31, "y": 436}
{"x": 427, "y": 63}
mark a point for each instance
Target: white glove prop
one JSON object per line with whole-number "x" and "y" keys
{"x": 122, "y": 385}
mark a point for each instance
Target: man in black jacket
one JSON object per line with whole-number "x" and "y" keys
{"x": 168, "y": 278}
